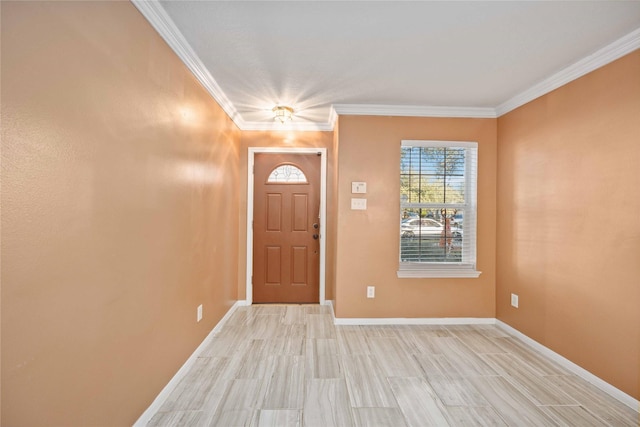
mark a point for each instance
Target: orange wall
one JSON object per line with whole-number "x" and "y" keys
{"x": 119, "y": 213}
{"x": 569, "y": 222}
{"x": 280, "y": 139}
{"x": 368, "y": 241}
{"x": 124, "y": 207}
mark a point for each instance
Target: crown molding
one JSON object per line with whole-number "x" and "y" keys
{"x": 153, "y": 11}
{"x": 413, "y": 111}
{"x": 600, "y": 58}
{"x": 164, "y": 25}
{"x": 333, "y": 117}
{"x": 289, "y": 126}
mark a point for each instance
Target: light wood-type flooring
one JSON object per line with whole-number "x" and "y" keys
{"x": 288, "y": 365}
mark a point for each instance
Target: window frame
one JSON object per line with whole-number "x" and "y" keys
{"x": 467, "y": 267}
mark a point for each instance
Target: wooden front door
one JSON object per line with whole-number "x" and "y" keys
{"x": 286, "y": 228}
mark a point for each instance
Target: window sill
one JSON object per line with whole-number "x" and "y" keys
{"x": 442, "y": 273}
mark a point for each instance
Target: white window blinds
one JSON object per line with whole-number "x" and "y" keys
{"x": 438, "y": 181}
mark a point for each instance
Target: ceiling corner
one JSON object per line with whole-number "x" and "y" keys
{"x": 600, "y": 58}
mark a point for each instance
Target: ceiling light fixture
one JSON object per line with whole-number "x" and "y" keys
{"x": 282, "y": 113}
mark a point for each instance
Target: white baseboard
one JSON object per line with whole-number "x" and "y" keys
{"x": 182, "y": 372}
{"x": 354, "y": 321}
{"x": 572, "y": 367}
{"x": 414, "y": 321}
{"x": 330, "y": 304}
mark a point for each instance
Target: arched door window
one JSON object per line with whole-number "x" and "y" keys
{"x": 287, "y": 174}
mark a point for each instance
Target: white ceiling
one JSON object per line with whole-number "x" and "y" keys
{"x": 476, "y": 58}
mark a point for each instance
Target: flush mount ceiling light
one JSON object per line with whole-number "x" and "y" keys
{"x": 282, "y": 113}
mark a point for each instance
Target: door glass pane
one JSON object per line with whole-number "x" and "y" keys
{"x": 287, "y": 174}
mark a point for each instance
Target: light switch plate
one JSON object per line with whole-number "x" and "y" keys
{"x": 358, "y": 187}
{"x": 358, "y": 204}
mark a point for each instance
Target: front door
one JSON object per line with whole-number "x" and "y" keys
{"x": 286, "y": 228}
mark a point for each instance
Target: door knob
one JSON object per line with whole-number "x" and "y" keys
{"x": 315, "y": 226}
{"x": 315, "y": 237}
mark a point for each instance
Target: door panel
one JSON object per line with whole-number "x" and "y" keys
{"x": 274, "y": 212}
{"x": 286, "y": 260}
{"x": 273, "y": 263}
{"x": 300, "y": 212}
{"x": 299, "y": 261}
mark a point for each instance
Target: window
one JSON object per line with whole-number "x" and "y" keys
{"x": 438, "y": 209}
{"x": 287, "y": 174}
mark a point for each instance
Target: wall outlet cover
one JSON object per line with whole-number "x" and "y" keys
{"x": 358, "y": 204}
{"x": 514, "y": 300}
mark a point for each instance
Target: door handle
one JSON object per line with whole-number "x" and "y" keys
{"x": 315, "y": 226}
{"x": 315, "y": 237}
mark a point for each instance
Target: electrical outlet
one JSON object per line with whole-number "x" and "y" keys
{"x": 371, "y": 291}
{"x": 514, "y": 300}
{"x": 199, "y": 313}
{"x": 358, "y": 204}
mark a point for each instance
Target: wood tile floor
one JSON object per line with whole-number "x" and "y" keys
{"x": 288, "y": 365}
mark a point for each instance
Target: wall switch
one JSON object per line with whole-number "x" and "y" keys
{"x": 514, "y": 300}
{"x": 371, "y": 291}
{"x": 358, "y": 187}
{"x": 358, "y": 204}
{"x": 199, "y": 313}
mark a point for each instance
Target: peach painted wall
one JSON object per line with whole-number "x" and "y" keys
{"x": 119, "y": 213}
{"x": 279, "y": 139}
{"x": 368, "y": 241}
{"x": 569, "y": 221}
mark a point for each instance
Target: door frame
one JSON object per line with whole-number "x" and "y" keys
{"x": 323, "y": 211}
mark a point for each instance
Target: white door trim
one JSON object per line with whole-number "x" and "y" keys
{"x": 323, "y": 210}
